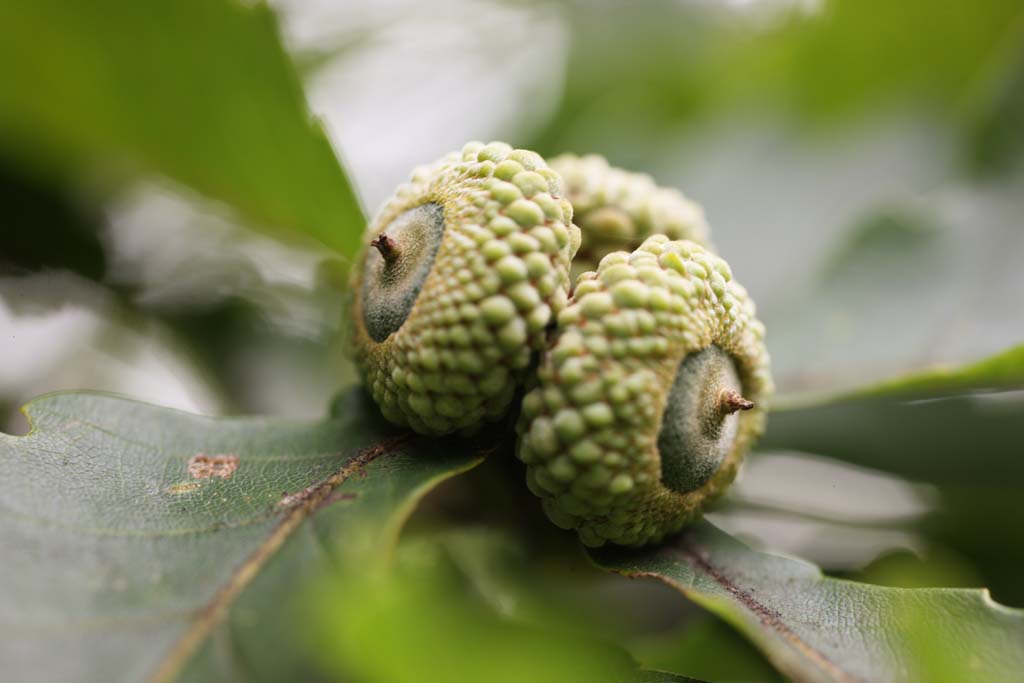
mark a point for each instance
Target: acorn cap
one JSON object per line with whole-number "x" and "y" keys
{"x": 652, "y": 391}
{"x": 461, "y": 272}
{"x": 618, "y": 209}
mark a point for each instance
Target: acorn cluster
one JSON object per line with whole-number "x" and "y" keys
{"x": 645, "y": 383}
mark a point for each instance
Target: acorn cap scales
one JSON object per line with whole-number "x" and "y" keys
{"x": 649, "y": 396}
{"x": 461, "y": 272}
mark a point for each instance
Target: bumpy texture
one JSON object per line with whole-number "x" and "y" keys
{"x": 617, "y": 209}
{"x": 472, "y": 266}
{"x": 589, "y": 432}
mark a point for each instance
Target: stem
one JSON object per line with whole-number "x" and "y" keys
{"x": 732, "y": 402}
{"x": 386, "y": 246}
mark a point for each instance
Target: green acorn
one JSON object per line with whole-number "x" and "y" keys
{"x": 648, "y": 397}
{"x": 462, "y": 271}
{"x": 618, "y": 209}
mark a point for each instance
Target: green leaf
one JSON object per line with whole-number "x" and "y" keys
{"x": 914, "y": 287}
{"x": 45, "y": 228}
{"x": 849, "y": 56}
{"x": 705, "y": 646}
{"x": 664, "y": 677}
{"x": 1004, "y": 370}
{"x": 843, "y": 60}
{"x": 821, "y": 630}
{"x": 435, "y": 619}
{"x": 996, "y": 118}
{"x": 200, "y": 91}
{"x": 137, "y": 528}
{"x": 960, "y": 440}
{"x": 560, "y": 592}
{"x": 958, "y": 429}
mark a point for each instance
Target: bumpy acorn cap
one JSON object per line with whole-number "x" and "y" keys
{"x": 649, "y": 396}
{"x": 461, "y": 272}
{"x": 618, "y": 209}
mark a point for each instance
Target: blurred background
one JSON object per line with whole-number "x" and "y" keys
{"x": 859, "y": 161}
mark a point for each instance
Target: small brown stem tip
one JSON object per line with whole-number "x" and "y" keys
{"x": 732, "y": 402}
{"x": 385, "y": 245}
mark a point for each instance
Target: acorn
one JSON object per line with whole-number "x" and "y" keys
{"x": 461, "y": 273}
{"x": 618, "y": 209}
{"x": 648, "y": 397}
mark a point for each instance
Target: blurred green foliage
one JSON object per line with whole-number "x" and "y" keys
{"x": 642, "y": 69}
{"x": 922, "y": 438}
{"x": 199, "y": 91}
{"x": 33, "y": 209}
{"x": 707, "y": 648}
{"x": 996, "y": 139}
{"x": 436, "y": 629}
{"x": 854, "y": 55}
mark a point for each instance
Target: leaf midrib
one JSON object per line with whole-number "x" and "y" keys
{"x": 693, "y": 554}
{"x": 211, "y": 614}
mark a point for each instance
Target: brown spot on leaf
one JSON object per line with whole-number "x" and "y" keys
{"x": 184, "y": 487}
{"x": 299, "y": 507}
{"x": 202, "y": 466}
